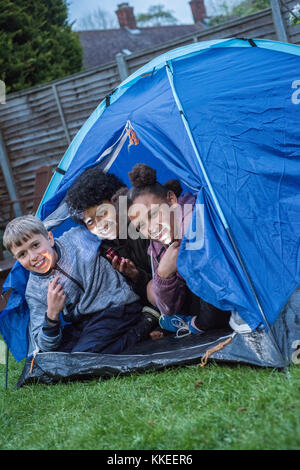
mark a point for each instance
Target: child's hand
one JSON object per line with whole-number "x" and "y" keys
{"x": 55, "y": 299}
{"x": 168, "y": 264}
{"x": 126, "y": 267}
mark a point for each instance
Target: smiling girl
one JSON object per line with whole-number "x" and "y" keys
{"x": 162, "y": 214}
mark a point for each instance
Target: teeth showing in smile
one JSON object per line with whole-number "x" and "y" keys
{"x": 108, "y": 228}
{"x": 40, "y": 263}
{"x": 157, "y": 235}
{"x": 105, "y": 230}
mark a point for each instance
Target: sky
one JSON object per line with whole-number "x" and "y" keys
{"x": 180, "y": 8}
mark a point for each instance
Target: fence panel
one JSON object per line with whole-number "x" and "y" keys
{"x": 38, "y": 123}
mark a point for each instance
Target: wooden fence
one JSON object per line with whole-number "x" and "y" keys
{"x": 37, "y": 125}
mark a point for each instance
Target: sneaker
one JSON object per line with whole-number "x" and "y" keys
{"x": 179, "y": 324}
{"x": 147, "y": 323}
{"x": 238, "y": 324}
{"x": 152, "y": 311}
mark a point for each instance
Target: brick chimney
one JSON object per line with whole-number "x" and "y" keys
{"x": 198, "y": 10}
{"x": 125, "y": 16}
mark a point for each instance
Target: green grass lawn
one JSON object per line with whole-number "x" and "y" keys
{"x": 217, "y": 407}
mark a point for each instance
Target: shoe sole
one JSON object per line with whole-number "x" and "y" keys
{"x": 152, "y": 312}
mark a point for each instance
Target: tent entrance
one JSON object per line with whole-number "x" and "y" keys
{"x": 52, "y": 367}
{"x": 229, "y": 347}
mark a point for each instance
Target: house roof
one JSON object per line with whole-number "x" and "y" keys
{"x": 101, "y": 46}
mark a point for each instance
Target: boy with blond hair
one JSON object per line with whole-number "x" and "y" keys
{"x": 69, "y": 280}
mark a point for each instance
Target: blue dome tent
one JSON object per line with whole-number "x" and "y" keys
{"x": 223, "y": 117}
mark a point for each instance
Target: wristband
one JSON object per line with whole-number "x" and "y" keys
{"x": 55, "y": 322}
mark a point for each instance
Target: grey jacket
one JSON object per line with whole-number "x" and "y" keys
{"x": 90, "y": 284}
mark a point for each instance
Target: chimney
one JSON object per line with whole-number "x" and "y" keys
{"x": 125, "y": 16}
{"x": 198, "y": 10}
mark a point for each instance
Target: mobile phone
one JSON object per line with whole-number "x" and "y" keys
{"x": 112, "y": 253}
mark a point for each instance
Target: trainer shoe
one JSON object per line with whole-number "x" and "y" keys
{"x": 152, "y": 311}
{"x": 238, "y": 324}
{"x": 147, "y": 323}
{"x": 179, "y": 324}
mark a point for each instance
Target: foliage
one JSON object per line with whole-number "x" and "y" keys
{"x": 294, "y": 15}
{"x": 156, "y": 16}
{"x": 246, "y": 7}
{"x": 36, "y": 43}
{"x": 217, "y": 407}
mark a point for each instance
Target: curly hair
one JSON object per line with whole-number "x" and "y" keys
{"x": 175, "y": 186}
{"x": 90, "y": 189}
{"x": 121, "y": 192}
{"x": 143, "y": 180}
{"x": 142, "y": 176}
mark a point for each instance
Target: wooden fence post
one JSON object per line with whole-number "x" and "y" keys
{"x": 8, "y": 176}
{"x": 279, "y": 23}
{"x": 122, "y": 66}
{"x": 61, "y": 113}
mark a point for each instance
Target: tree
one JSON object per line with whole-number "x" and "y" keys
{"x": 247, "y": 7}
{"x": 156, "y": 16}
{"x": 98, "y": 19}
{"x": 244, "y": 8}
{"x": 36, "y": 43}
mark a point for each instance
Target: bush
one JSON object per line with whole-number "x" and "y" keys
{"x": 37, "y": 44}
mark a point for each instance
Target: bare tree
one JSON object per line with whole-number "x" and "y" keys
{"x": 219, "y": 7}
{"x": 98, "y": 19}
{"x": 156, "y": 16}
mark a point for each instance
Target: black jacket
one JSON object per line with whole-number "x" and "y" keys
{"x": 136, "y": 251}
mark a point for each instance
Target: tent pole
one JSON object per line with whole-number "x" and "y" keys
{"x": 169, "y": 71}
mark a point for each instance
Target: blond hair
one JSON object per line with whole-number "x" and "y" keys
{"x": 21, "y": 229}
